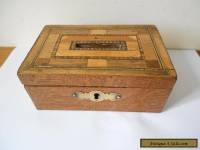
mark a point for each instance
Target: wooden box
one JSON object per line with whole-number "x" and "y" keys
{"x": 111, "y": 67}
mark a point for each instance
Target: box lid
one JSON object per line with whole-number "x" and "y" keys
{"x": 110, "y": 56}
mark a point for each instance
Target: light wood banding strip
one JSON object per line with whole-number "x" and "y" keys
{"x": 45, "y": 54}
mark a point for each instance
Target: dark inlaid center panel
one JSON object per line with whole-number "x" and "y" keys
{"x": 100, "y": 45}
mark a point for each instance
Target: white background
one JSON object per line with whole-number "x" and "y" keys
{"x": 178, "y": 20}
{"x": 22, "y": 127}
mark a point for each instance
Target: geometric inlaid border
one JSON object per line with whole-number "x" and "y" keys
{"x": 159, "y": 58}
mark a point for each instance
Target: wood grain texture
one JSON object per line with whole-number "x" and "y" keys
{"x": 133, "y": 99}
{"x": 98, "y": 80}
{"x": 130, "y": 59}
{"x": 4, "y": 53}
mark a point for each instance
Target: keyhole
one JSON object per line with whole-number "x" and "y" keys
{"x": 96, "y": 95}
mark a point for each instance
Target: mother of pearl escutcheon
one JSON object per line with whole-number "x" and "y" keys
{"x": 97, "y": 96}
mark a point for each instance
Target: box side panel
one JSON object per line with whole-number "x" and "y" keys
{"x": 132, "y": 99}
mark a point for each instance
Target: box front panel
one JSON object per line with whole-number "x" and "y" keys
{"x": 95, "y": 98}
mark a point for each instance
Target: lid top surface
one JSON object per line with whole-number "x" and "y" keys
{"x": 106, "y": 50}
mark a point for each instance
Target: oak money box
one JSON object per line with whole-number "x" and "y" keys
{"x": 111, "y": 67}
